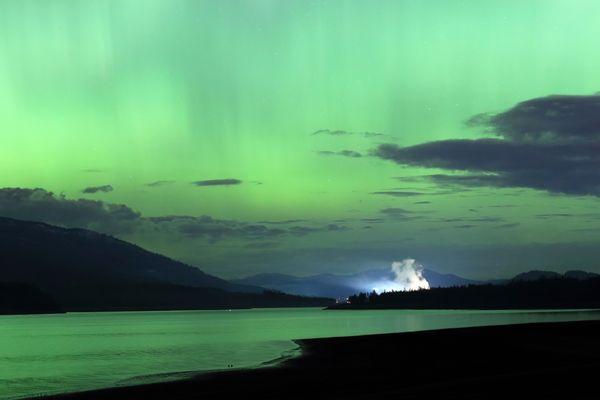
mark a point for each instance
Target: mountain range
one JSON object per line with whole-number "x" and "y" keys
{"x": 537, "y": 275}
{"x": 82, "y": 270}
{"x": 45, "y": 268}
{"x": 342, "y": 286}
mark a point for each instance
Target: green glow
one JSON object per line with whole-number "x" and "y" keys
{"x": 147, "y": 90}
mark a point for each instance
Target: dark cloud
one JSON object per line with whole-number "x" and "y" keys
{"x": 507, "y": 226}
{"x": 116, "y": 219}
{"x": 551, "y": 118}
{"x": 591, "y": 216}
{"x": 555, "y": 215}
{"x": 215, "y": 230}
{"x": 486, "y": 219}
{"x": 472, "y": 180}
{"x": 469, "y": 219}
{"x": 175, "y": 218}
{"x": 305, "y": 230}
{"x": 262, "y": 245}
{"x": 44, "y": 206}
{"x": 341, "y": 220}
{"x": 159, "y": 183}
{"x": 430, "y": 190}
{"x": 396, "y": 193}
{"x": 98, "y": 189}
{"x": 372, "y": 220}
{"x": 302, "y": 230}
{"x": 344, "y": 153}
{"x": 477, "y": 155}
{"x": 283, "y": 222}
{"x": 396, "y": 213}
{"x": 341, "y": 132}
{"x": 587, "y": 230}
{"x": 218, "y": 182}
{"x": 465, "y": 226}
{"x": 551, "y": 144}
{"x": 409, "y": 179}
{"x": 330, "y": 132}
{"x": 373, "y": 134}
{"x": 336, "y": 228}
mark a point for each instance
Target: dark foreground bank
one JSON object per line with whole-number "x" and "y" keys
{"x": 550, "y": 360}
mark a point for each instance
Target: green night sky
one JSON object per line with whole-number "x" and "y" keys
{"x": 246, "y": 136}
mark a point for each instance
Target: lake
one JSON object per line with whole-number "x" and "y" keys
{"x": 42, "y": 354}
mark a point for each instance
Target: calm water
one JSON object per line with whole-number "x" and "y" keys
{"x": 59, "y": 353}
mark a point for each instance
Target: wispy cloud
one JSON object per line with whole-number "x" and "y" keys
{"x": 218, "y": 182}
{"x": 159, "y": 183}
{"x": 98, "y": 189}
{"x": 397, "y": 193}
{"x": 342, "y": 132}
{"x": 344, "y": 153}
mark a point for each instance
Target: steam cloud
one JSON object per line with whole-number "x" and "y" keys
{"x": 404, "y": 276}
{"x": 409, "y": 275}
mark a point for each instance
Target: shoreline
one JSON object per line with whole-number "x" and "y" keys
{"x": 343, "y": 307}
{"x": 179, "y": 376}
{"x": 458, "y": 363}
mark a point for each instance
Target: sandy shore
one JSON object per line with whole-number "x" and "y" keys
{"x": 550, "y": 360}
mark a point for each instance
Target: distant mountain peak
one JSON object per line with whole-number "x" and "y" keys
{"x": 342, "y": 285}
{"x": 535, "y": 275}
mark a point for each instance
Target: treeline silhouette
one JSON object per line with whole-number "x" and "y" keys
{"x": 22, "y": 298}
{"x": 544, "y": 293}
{"x": 157, "y": 296}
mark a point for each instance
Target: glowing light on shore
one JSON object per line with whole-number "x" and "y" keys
{"x": 408, "y": 275}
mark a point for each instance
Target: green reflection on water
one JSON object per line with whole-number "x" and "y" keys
{"x": 56, "y": 353}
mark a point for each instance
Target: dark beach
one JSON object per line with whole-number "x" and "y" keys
{"x": 548, "y": 360}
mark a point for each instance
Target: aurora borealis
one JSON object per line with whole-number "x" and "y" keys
{"x": 309, "y": 136}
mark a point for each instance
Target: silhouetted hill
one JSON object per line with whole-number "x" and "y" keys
{"x": 319, "y": 285}
{"x": 342, "y": 286}
{"x": 85, "y": 270}
{"x": 536, "y": 275}
{"x": 44, "y": 255}
{"x": 518, "y": 294}
{"x": 436, "y": 279}
{"x": 581, "y": 275}
{"x": 22, "y": 298}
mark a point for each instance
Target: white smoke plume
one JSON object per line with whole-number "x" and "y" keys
{"x": 409, "y": 275}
